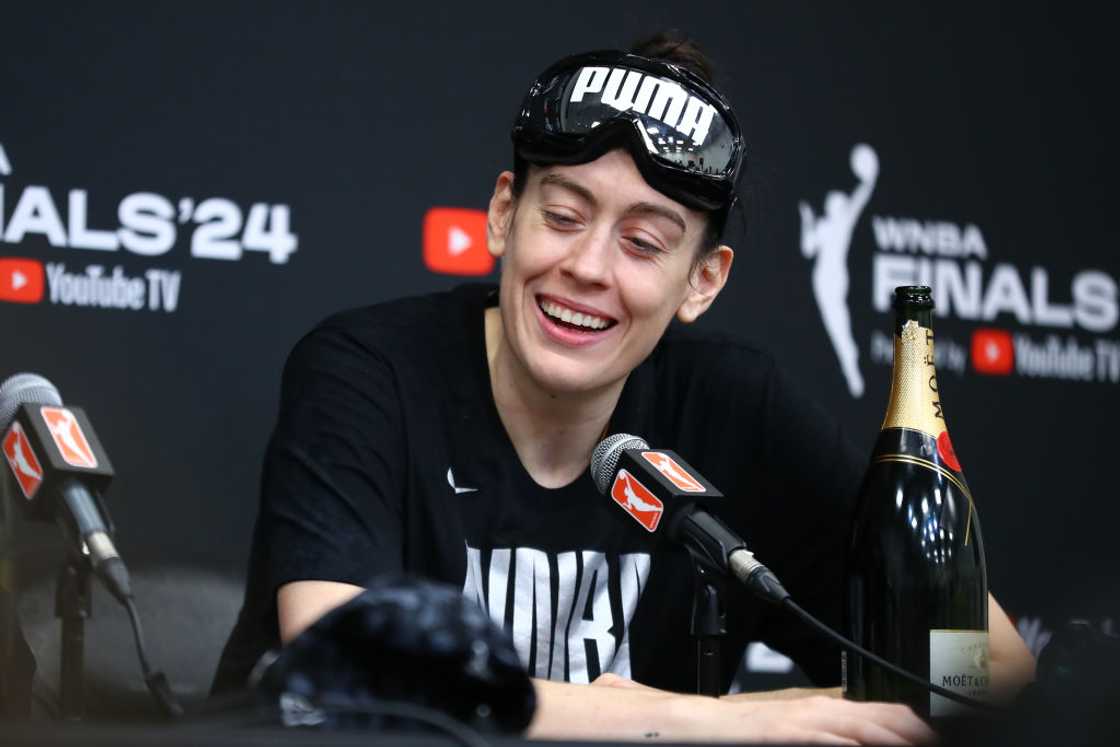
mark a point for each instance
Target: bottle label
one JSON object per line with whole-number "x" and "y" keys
{"x": 958, "y": 661}
{"x": 914, "y": 402}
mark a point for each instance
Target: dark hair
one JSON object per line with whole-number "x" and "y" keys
{"x": 673, "y": 46}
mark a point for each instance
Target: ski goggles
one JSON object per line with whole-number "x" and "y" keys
{"x": 681, "y": 132}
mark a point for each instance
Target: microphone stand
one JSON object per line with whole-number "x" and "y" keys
{"x": 17, "y": 663}
{"x": 709, "y": 626}
{"x": 72, "y": 606}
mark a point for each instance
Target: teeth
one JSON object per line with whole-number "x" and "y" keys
{"x": 556, "y": 311}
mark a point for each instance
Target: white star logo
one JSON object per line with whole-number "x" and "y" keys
{"x": 458, "y": 490}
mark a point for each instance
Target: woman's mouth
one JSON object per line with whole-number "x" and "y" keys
{"x": 574, "y": 319}
{"x": 571, "y": 325}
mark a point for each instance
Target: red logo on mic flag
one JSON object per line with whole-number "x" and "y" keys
{"x": 993, "y": 352}
{"x": 22, "y": 460}
{"x": 68, "y": 437}
{"x": 673, "y": 471}
{"x": 644, "y": 506}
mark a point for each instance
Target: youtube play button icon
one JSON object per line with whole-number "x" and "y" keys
{"x": 21, "y": 280}
{"x": 455, "y": 242}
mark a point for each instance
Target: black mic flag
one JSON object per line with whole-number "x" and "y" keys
{"x": 649, "y": 484}
{"x": 656, "y": 487}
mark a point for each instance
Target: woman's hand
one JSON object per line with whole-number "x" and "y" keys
{"x": 824, "y": 720}
{"x": 795, "y": 715}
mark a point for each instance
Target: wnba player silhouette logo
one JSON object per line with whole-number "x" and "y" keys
{"x": 827, "y": 238}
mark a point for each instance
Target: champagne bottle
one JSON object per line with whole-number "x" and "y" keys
{"x": 917, "y": 588}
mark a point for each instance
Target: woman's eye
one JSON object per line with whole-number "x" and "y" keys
{"x": 558, "y": 219}
{"x": 645, "y": 247}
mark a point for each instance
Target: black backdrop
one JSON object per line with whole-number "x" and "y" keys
{"x": 989, "y": 121}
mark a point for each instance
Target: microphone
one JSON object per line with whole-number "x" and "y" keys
{"x": 59, "y": 467}
{"x": 657, "y": 488}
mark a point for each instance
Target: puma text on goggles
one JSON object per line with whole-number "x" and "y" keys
{"x": 681, "y": 132}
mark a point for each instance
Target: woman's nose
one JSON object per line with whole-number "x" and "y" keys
{"x": 589, "y": 258}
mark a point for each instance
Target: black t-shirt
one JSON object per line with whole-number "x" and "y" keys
{"x": 389, "y": 455}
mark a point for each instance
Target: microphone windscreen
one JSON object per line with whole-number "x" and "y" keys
{"x": 25, "y": 387}
{"x": 604, "y": 459}
{"x": 402, "y": 641}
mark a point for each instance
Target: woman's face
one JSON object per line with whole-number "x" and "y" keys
{"x": 595, "y": 265}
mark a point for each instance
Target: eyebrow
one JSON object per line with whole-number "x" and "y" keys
{"x": 558, "y": 180}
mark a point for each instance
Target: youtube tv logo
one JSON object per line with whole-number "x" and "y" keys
{"x": 993, "y": 352}
{"x": 455, "y": 242}
{"x": 21, "y": 280}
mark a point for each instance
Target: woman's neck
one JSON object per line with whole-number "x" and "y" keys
{"x": 553, "y": 434}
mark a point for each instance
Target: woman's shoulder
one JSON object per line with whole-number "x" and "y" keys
{"x": 713, "y": 353}
{"x": 407, "y": 325}
{"x": 410, "y": 314}
{"x": 405, "y": 336}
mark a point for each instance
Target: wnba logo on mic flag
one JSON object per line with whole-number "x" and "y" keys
{"x": 673, "y": 471}
{"x": 22, "y": 460}
{"x": 68, "y": 437}
{"x": 637, "y": 500}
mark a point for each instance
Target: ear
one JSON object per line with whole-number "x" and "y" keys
{"x": 500, "y": 214}
{"x": 706, "y": 281}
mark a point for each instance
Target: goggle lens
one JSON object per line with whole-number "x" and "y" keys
{"x": 676, "y": 126}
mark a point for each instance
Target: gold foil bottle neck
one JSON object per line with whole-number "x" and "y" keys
{"x": 914, "y": 401}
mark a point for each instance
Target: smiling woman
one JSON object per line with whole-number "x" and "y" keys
{"x": 590, "y": 239}
{"x": 607, "y": 229}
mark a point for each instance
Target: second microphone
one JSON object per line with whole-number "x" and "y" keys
{"x": 663, "y": 494}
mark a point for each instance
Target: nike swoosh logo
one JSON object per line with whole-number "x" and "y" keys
{"x": 458, "y": 490}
